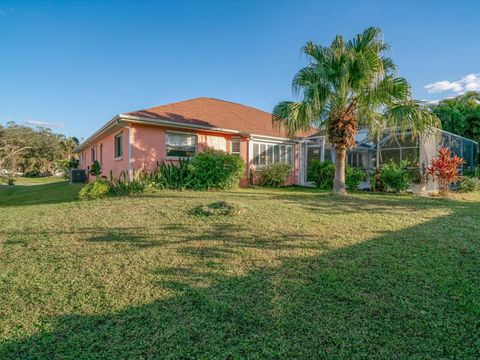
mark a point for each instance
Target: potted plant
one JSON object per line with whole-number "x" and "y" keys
{"x": 419, "y": 180}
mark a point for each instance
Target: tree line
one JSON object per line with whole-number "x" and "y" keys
{"x": 34, "y": 151}
{"x": 461, "y": 115}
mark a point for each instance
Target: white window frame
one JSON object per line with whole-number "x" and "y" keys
{"x": 269, "y": 148}
{"x": 93, "y": 153}
{"x": 182, "y": 133}
{"x": 118, "y": 135}
{"x": 236, "y": 139}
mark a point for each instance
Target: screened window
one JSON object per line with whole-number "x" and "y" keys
{"x": 94, "y": 154}
{"x": 354, "y": 159}
{"x": 266, "y": 154}
{"x": 118, "y": 145}
{"x": 235, "y": 146}
{"x": 181, "y": 144}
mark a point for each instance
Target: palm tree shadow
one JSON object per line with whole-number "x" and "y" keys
{"x": 392, "y": 296}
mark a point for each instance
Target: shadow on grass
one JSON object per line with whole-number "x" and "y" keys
{"x": 52, "y": 193}
{"x": 414, "y": 293}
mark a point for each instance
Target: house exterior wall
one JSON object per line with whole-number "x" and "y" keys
{"x": 105, "y": 150}
{"x": 144, "y": 146}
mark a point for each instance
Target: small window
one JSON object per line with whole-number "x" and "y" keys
{"x": 101, "y": 153}
{"x": 118, "y": 145}
{"x": 181, "y": 144}
{"x": 94, "y": 154}
{"x": 235, "y": 146}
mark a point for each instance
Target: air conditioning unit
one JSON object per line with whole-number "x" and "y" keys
{"x": 78, "y": 176}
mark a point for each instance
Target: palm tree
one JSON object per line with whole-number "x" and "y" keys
{"x": 350, "y": 85}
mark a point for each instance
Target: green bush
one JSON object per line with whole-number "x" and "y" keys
{"x": 395, "y": 177}
{"x": 321, "y": 173}
{"x": 275, "y": 175}
{"x": 468, "y": 184}
{"x": 472, "y": 172}
{"x": 172, "y": 176}
{"x": 216, "y": 169}
{"x": 122, "y": 185}
{"x": 95, "y": 190}
{"x": 96, "y": 169}
{"x": 353, "y": 177}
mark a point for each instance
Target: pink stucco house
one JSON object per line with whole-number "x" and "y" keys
{"x": 139, "y": 139}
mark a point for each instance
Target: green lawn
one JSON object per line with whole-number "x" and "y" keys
{"x": 298, "y": 274}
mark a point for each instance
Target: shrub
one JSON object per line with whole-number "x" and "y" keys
{"x": 353, "y": 177}
{"x": 468, "y": 184}
{"x": 321, "y": 173}
{"x": 95, "y": 190}
{"x": 472, "y": 172}
{"x": 216, "y": 169}
{"x": 395, "y": 177}
{"x": 65, "y": 166}
{"x": 444, "y": 169}
{"x": 172, "y": 176}
{"x": 275, "y": 174}
{"x": 96, "y": 169}
{"x": 218, "y": 208}
{"x": 122, "y": 185}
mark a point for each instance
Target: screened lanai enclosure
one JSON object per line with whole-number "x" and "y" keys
{"x": 371, "y": 153}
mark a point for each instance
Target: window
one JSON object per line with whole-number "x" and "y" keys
{"x": 181, "y": 144}
{"x": 265, "y": 154}
{"x": 354, "y": 159}
{"x": 235, "y": 146}
{"x": 94, "y": 154}
{"x": 118, "y": 145}
{"x": 101, "y": 153}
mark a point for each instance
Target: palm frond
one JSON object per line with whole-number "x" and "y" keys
{"x": 294, "y": 116}
{"x": 411, "y": 116}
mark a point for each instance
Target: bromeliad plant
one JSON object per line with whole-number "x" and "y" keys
{"x": 347, "y": 85}
{"x": 444, "y": 169}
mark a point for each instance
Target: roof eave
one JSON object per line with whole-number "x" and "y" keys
{"x": 114, "y": 121}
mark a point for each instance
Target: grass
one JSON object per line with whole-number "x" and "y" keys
{"x": 298, "y": 274}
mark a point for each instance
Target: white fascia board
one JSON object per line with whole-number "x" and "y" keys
{"x": 97, "y": 133}
{"x": 273, "y": 139}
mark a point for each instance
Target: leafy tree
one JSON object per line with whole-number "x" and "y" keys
{"x": 461, "y": 115}
{"x": 33, "y": 150}
{"x": 347, "y": 85}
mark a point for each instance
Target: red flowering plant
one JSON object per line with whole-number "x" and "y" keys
{"x": 444, "y": 168}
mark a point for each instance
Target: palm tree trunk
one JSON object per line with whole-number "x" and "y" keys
{"x": 339, "y": 180}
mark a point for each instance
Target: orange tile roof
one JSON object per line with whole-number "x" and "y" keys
{"x": 216, "y": 113}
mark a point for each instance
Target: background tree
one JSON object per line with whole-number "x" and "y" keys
{"x": 33, "y": 151}
{"x": 461, "y": 115}
{"x": 347, "y": 85}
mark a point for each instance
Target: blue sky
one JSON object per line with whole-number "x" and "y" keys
{"x": 74, "y": 65}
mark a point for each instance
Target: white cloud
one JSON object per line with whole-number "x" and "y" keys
{"x": 43, "y": 124}
{"x": 471, "y": 82}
